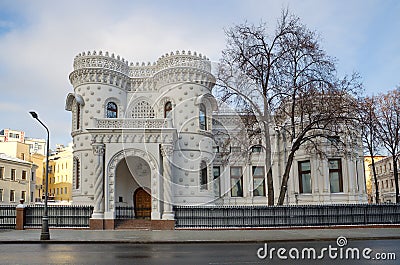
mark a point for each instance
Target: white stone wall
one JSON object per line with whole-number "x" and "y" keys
{"x": 184, "y": 79}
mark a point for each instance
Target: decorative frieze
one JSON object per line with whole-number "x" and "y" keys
{"x": 131, "y": 123}
{"x": 93, "y": 67}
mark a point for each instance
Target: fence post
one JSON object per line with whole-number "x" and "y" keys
{"x": 20, "y": 218}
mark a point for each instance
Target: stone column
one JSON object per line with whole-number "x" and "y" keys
{"x": 98, "y": 211}
{"x": 167, "y": 151}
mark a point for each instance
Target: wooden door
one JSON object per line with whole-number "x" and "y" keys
{"x": 142, "y": 204}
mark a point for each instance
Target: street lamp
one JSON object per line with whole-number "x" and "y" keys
{"x": 45, "y": 234}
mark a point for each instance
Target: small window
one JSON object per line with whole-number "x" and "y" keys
{"x": 1, "y": 195}
{"x": 216, "y": 175}
{"x": 203, "y": 176}
{"x": 1, "y": 172}
{"x": 23, "y": 177}
{"x": 112, "y": 110}
{"x": 167, "y": 109}
{"x": 12, "y": 174}
{"x": 12, "y": 195}
{"x": 305, "y": 177}
{"x": 334, "y": 139}
{"x": 258, "y": 181}
{"x": 256, "y": 149}
{"x": 335, "y": 175}
{"x": 202, "y": 117}
{"x": 23, "y": 195}
{"x": 236, "y": 182}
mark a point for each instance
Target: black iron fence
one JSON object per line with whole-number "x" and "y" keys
{"x": 7, "y": 216}
{"x": 285, "y": 216}
{"x": 124, "y": 212}
{"x": 60, "y": 216}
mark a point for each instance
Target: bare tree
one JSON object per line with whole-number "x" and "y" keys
{"x": 248, "y": 74}
{"x": 289, "y": 82}
{"x": 388, "y": 125}
{"x": 369, "y": 133}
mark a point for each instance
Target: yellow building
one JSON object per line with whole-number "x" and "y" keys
{"x": 369, "y": 175}
{"x": 38, "y": 160}
{"x": 60, "y": 174}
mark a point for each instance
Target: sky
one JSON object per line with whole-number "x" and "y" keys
{"x": 39, "y": 40}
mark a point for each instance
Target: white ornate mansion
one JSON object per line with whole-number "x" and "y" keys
{"x": 144, "y": 137}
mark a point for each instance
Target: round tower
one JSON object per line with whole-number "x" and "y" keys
{"x": 184, "y": 79}
{"x": 100, "y": 81}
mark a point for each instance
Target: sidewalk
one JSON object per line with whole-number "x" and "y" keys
{"x": 196, "y": 236}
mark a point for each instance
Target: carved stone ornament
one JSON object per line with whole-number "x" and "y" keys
{"x": 167, "y": 150}
{"x": 98, "y": 149}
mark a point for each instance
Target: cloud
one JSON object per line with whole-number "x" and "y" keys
{"x": 40, "y": 39}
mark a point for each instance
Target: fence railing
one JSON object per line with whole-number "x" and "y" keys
{"x": 124, "y": 212}
{"x": 60, "y": 216}
{"x": 285, "y": 216}
{"x": 7, "y": 216}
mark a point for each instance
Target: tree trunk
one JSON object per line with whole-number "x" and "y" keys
{"x": 285, "y": 178}
{"x": 375, "y": 180}
{"x": 268, "y": 164}
{"x": 396, "y": 177}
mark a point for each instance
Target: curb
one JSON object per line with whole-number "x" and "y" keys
{"x": 206, "y": 241}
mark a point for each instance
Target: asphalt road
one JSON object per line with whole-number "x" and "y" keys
{"x": 198, "y": 253}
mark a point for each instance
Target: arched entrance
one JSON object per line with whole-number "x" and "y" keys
{"x": 142, "y": 201}
{"x": 133, "y": 188}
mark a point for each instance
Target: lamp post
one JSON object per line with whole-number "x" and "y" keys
{"x": 45, "y": 234}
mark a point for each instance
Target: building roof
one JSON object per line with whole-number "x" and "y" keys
{"x": 13, "y": 159}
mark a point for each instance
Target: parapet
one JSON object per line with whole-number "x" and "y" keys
{"x": 101, "y": 61}
{"x": 176, "y": 63}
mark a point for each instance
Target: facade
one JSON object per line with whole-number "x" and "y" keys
{"x": 60, "y": 174}
{"x": 334, "y": 177}
{"x": 39, "y": 161}
{"x": 15, "y": 149}
{"x": 8, "y": 135}
{"x": 17, "y": 180}
{"x": 16, "y": 145}
{"x": 369, "y": 176}
{"x": 146, "y": 135}
{"x": 36, "y": 146}
{"x": 386, "y": 183}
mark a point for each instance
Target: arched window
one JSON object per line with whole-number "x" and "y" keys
{"x": 78, "y": 116}
{"x": 202, "y": 117}
{"x": 167, "y": 109}
{"x": 77, "y": 173}
{"x": 142, "y": 110}
{"x": 112, "y": 110}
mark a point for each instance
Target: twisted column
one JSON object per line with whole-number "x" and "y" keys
{"x": 167, "y": 151}
{"x": 98, "y": 211}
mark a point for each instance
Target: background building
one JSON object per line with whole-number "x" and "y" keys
{"x": 14, "y": 144}
{"x": 8, "y": 135}
{"x": 36, "y": 146}
{"x": 369, "y": 176}
{"x": 17, "y": 180}
{"x": 60, "y": 174}
{"x": 385, "y": 177}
